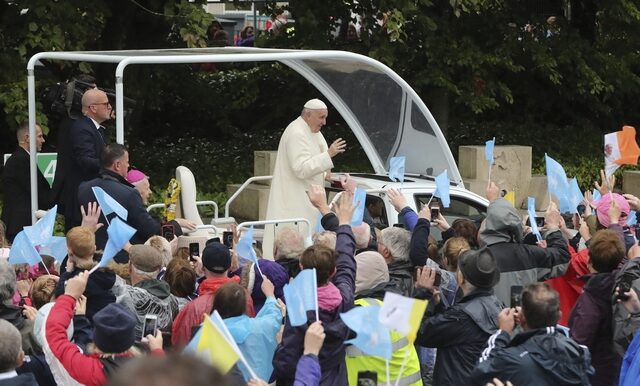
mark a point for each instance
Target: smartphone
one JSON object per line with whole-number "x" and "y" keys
{"x": 367, "y": 378}
{"x": 539, "y": 222}
{"x": 227, "y": 239}
{"x": 168, "y": 232}
{"x": 438, "y": 279}
{"x": 194, "y": 250}
{"x": 435, "y": 213}
{"x": 516, "y": 296}
{"x": 581, "y": 208}
{"x": 150, "y": 326}
{"x": 626, "y": 282}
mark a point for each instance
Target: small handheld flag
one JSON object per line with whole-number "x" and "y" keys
{"x": 620, "y": 148}
{"x": 42, "y": 231}
{"x": 402, "y": 314}
{"x": 301, "y": 295}
{"x": 557, "y": 183}
{"x": 22, "y": 251}
{"x": 108, "y": 204}
{"x": 396, "y": 168}
{"x": 372, "y": 336}
{"x": 531, "y": 210}
{"x": 119, "y": 234}
{"x": 56, "y": 247}
{"x": 359, "y": 199}
{"x": 245, "y": 248}
{"x": 442, "y": 188}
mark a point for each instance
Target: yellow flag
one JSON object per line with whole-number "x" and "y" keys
{"x": 214, "y": 346}
{"x": 511, "y": 197}
{"x": 402, "y": 314}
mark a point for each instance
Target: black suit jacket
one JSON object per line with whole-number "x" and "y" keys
{"x": 127, "y": 196}
{"x": 16, "y": 212}
{"x": 86, "y": 146}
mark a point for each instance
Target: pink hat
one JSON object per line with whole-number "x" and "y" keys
{"x": 602, "y": 209}
{"x": 135, "y": 176}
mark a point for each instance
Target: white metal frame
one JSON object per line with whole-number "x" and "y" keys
{"x": 291, "y": 58}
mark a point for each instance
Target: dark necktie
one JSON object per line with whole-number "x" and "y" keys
{"x": 103, "y": 134}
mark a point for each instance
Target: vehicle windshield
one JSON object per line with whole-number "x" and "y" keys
{"x": 459, "y": 208}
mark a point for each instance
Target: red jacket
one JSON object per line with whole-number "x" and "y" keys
{"x": 192, "y": 314}
{"x": 86, "y": 369}
{"x": 569, "y": 285}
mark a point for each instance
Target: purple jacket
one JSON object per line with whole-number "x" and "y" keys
{"x": 590, "y": 324}
{"x": 308, "y": 371}
{"x": 290, "y": 350}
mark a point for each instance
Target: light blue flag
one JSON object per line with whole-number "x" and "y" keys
{"x": 56, "y": 248}
{"x": 574, "y": 197}
{"x": 372, "y": 337}
{"x": 596, "y": 194}
{"x": 301, "y": 295}
{"x": 42, "y": 231}
{"x": 396, "y": 168}
{"x": 488, "y": 150}
{"x": 632, "y": 219}
{"x": 245, "y": 246}
{"x": 192, "y": 346}
{"x": 108, "y": 204}
{"x": 359, "y": 199}
{"x": 531, "y": 210}
{"x": 557, "y": 180}
{"x": 119, "y": 234}
{"x": 22, "y": 251}
{"x": 442, "y": 188}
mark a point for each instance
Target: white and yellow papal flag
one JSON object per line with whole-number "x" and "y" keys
{"x": 620, "y": 148}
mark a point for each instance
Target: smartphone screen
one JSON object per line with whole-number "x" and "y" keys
{"x": 438, "y": 279}
{"x": 435, "y": 212}
{"x": 227, "y": 239}
{"x": 194, "y": 250}
{"x": 516, "y": 296}
{"x": 168, "y": 232}
{"x": 150, "y": 325}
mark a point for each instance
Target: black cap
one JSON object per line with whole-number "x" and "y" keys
{"x": 216, "y": 257}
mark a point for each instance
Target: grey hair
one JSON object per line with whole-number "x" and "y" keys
{"x": 289, "y": 243}
{"x": 326, "y": 238}
{"x": 397, "y": 241}
{"x": 304, "y": 111}
{"x": 10, "y": 346}
{"x": 362, "y": 234}
{"x": 7, "y": 282}
{"x": 162, "y": 245}
{"x": 139, "y": 272}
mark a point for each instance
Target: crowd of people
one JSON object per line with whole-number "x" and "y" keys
{"x": 504, "y": 306}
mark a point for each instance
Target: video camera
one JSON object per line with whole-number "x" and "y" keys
{"x": 64, "y": 99}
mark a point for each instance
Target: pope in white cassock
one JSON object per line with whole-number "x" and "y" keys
{"x": 303, "y": 159}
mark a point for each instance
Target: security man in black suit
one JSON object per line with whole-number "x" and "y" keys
{"x": 87, "y": 139}
{"x": 16, "y": 211}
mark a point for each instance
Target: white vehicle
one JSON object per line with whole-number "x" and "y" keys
{"x": 386, "y": 115}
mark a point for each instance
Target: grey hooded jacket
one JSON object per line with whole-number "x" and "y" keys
{"x": 520, "y": 264}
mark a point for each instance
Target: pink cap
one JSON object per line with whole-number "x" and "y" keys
{"x": 602, "y": 208}
{"x": 135, "y": 176}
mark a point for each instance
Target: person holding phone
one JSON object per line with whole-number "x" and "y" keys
{"x": 113, "y": 337}
{"x": 460, "y": 332}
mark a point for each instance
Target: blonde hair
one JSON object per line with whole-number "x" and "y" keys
{"x": 452, "y": 249}
{"x": 326, "y": 238}
{"x": 162, "y": 245}
{"x": 82, "y": 243}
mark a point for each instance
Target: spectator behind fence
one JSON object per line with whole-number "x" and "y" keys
{"x": 11, "y": 357}
{"x": 336, "y": 286}
{"x": 252, "y": 280}
{"x": 541, "y": 355}
{"x": 146, "y": 294}
{"x": 521, "y": 264}
{"x": 182, "y": 281}
{"x": 287, "y": 248}
{"x": 14, "y": 314}
{"x": 591, "y": 320}
{"x": 256, "y": 337}
{"x": 461, "y": 331}
{"x": 393, "y": 245}
{"x": 81, "y": 246}
{"x": 113, "y": 337}
{"x": 216, "y": 262}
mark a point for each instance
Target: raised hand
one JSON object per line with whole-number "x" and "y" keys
{"x": 338, "y": 146}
